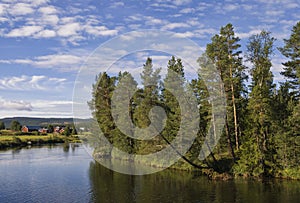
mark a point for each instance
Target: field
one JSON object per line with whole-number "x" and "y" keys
{"x": 12, "y": 139}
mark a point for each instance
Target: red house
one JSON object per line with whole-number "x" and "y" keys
{"x": 26, "y": 129}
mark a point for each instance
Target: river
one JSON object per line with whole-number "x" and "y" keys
{"x": 68, "y": 174}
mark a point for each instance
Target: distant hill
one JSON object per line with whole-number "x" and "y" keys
{"x": 41, "y": 121}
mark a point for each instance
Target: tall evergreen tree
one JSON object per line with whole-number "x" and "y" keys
{"x": 123, "y": 113}
{"x": 287, "y": 138}
{"x": 100, "y": 106}
{"x": 174, "y": 79}
{"x": 145, "y": 99}
{"x": 291, "y": 50}
{"x": 224, "y": 52}
{"x": 259, "y": 52}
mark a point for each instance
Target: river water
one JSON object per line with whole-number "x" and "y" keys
{"x": 68, "y": 174}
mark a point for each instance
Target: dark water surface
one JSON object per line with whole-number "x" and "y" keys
{"x": 68, "y": 174}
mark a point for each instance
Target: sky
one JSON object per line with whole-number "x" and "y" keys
{"x": 44, "y": 43}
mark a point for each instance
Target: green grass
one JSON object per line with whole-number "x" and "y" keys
{"x": 10, "y": 139}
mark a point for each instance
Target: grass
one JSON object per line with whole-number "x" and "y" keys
{"x": 11, "y": 139}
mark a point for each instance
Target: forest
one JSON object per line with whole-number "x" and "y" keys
{"x": 261, "y": 135}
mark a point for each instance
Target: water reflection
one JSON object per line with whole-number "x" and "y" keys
{"x": 49, "y": 174}
{"x": 175, "y": 186}
{"x": 66, "y": 147}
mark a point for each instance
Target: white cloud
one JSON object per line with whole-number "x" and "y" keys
{"x": 37, "y": 19}
{"x": 68, "y": 29}
{"x": 292, "y": 5}
{"x": 61, "y": 62}
{"x": 117, "y": 4}
{"x": 46, "y": 34}
{"x": 231, "y": 7}
{"x": 37, "y": 108}
{"x": 37, "y": 2}
{"x": 29, "y": 83}
{"x": 3, "y": 8}
{"x": 172, "y": 26}
{"x": 50, "y": 19}
{"x": 57, "y": 60}
{"x": 14, "y": 105}
{"x": 100, "y": 30}
{"x": 150, "y": 20}
{"x": 163, "y": 5}
{"x": 275, "y": 13}
{"x": 248, "y": 7}
{"x": 25, "y": 31}
{"x": 181, "y": 2}
{"x": 51, "y": 104}
{"x": 244, "y": 35}
{"x": 185, "y": 34}
{"x": 187, "y": 10}
{"x": 21, "y": 9}
{"x": 46, "y": 10}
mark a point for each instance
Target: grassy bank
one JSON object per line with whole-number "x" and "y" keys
{"x": 10, "y": 139}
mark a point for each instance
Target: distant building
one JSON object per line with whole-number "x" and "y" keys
{"x": 28, "y": 128}
{"x": 59, "y": 129}
{"x": 43, "y": 130}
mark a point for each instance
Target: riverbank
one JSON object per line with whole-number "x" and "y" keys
{"x": 221, "y": 170}
{"x": 10, "y": 141}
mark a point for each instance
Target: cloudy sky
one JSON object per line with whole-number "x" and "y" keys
{"x": 43, "y": 43}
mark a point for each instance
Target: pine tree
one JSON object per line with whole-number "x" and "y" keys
{"x": 224, "y": 52}
{"x": 259, "y": 51}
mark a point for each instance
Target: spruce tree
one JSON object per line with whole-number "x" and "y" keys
{"x": 291, "y": 50}
{"x": 122, "y": 110}
{"x": 100, "y": 106}
{"x": 145, "y": 99}
{"x": 259, "y": 52}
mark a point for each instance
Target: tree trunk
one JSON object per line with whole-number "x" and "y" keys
{"x": 230, "y": 148}
{"x": 234, "y": 107}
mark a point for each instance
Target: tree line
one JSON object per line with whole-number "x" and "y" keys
{"x": 16, "y": 126}
{"x": 261, "y": 135}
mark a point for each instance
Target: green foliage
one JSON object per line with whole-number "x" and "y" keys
{"x": 259, "y": 51}
{"x": 15, "y": 125}
{"x": 249, "y": 163}
{"x": 73, "y": 130}
{"x": 291, "y": 173}
{"x": 2, "y": 125}
{"x": 145, "y": 99}
{"x": 291, "y": 50}
{"x": 67, "y": 131}
{"x": 50, "y": 128}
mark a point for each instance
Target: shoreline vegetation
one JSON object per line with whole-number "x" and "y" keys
{"x": 10, "y": 139}
{"x": 217, "y": 172}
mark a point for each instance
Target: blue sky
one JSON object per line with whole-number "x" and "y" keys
{"x": 43, "y": 43}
